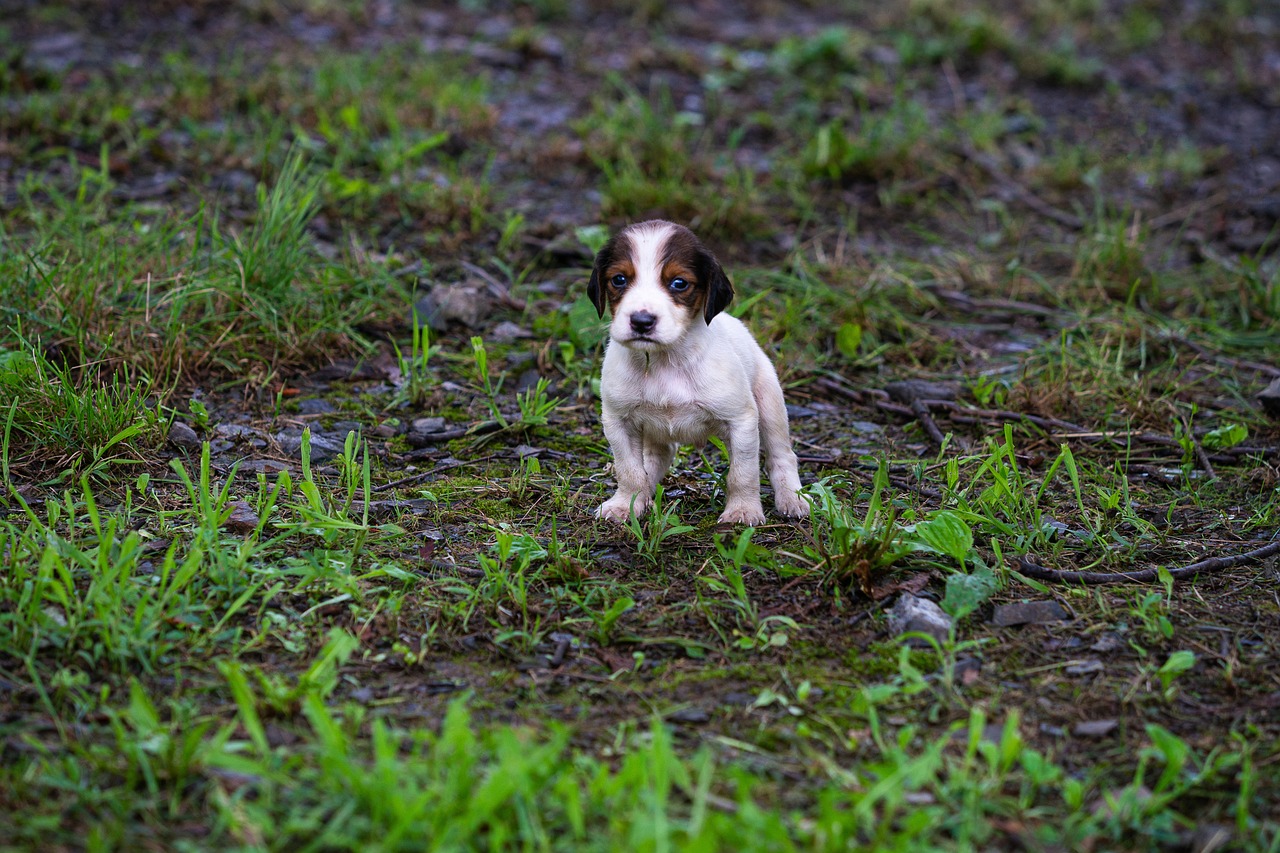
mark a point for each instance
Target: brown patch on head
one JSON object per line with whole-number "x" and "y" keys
{"x": 694, "y": 297}
{"x": 684, "y": 256}
{"x": 614, "y": 258}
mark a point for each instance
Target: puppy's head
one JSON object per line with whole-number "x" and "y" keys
{"x": 658, "y": 281}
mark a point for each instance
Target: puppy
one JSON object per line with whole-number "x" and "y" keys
{"x": 677, "y": 370}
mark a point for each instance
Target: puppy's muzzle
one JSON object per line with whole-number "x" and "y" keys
{"x": 642, "y": 322}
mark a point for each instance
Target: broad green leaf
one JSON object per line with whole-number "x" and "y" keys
{"x": 947, "y": 533}
{"x": 848, "y": 338}
{"x": 1224, "y": 437}
{"x": 966, "y": 592}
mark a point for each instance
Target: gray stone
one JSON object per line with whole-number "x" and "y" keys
{"x": 689, "y": 715}
{"x": 323, "y": 447}
{"x": 506, "y": 332}
{"x": 234, "y": 431}
{"x": 315, "y": 406}
{"x": 1029, "y": 613}
{"x": 427, "y": 425}
{"x": 910, "y": 613}
{"x": 1094, "y": 728}
{"x": 1083, "y": 667}
{"x": 1269, "y": 397}
{"x": 464, "y": 302}
{"x": 183, "y": 436}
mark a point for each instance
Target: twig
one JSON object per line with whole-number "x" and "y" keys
{"x": 1212, "y": 564}
{"x": 1201, "y": 456}
{"x": 1240, "y": 363}
{"x": 831, "y": 386}
{"x": 1182, "y": 214}
{"x": 501, "y": 291}
{"x": 920, "y": 409}
{"x": 964, "y": 302}
{"x": 439, "y": 469}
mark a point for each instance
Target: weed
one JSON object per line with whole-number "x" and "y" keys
{"x": 754, "y": 629}
{"x": 658, "y": 526}
{"x": 846, "y": 548}
{"x": 417, "y": 383}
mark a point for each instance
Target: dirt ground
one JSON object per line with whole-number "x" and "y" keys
{"x": 1132, "y": 118}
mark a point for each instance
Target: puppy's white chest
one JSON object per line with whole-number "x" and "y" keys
{"x": 668, "y": 405}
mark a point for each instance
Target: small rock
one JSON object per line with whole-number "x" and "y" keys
{"x": 1094, "y": 728}
{"x": 234, "y": 431}
{"x": 1108, "y": 642}
{"x": 236, "y": 181}
{"x": 315, "y": 406}
{"x": 323, "y": 448}
{"x": 427, "y": 425}
{"x": 263, "y": 466}
{"x": 528, "y": 379}
{"x": 243, "y": 518}
{"x": 507, "y": 331}
{"x": 183, "y": 436}
{"x": 1269, "y": 397}
{"x": 392, "y": 508}
{"x": 689, "y": 715}
{"x": 464, "y": 302}
{"x": 967, "y": 671}
{"x": 1083, "y": 667}
{"x": 910, "y": 613}
{"x": 1028, "y": 613}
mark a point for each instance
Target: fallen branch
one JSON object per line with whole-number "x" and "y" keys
{"x": 921, "y": 410}
{"x": 1212, "y": 564}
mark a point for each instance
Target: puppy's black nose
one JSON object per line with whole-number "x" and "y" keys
{"x": 642, "y": 322}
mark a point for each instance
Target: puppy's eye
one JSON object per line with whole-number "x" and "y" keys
{"x": 619, "y": 280}
{"x": 679, "y": 285}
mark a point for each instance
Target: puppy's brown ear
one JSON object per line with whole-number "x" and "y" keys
{"x": 595, "y": 287}
{"x": 719, "y": 288}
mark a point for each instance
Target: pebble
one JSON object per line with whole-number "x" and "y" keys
{"x": 183, "y": 436}
{"x": 910, "y": 613}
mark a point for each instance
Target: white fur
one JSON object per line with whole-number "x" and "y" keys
{"x": 691, "y": 380}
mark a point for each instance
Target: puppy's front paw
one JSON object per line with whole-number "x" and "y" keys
{"x": 618, "y": 508}
{"x": 745, "y": 513}
{"x": 791, "y": 505}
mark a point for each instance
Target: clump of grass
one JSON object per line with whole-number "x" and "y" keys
{"x": 660, "y": 161}
{"x": 185, "y": 297}
{"x": 874, "y": 146}
{"x": 62, "y": 421}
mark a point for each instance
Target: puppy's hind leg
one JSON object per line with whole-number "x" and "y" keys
{"x": 775, "y": 440}
{"x": 742, "y": 504}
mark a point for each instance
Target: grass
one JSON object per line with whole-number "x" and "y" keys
{"x": 283, "y": 566}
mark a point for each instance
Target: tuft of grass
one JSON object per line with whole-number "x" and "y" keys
{"x": 659, "y": 161}
{"x": 65, "y": 422}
